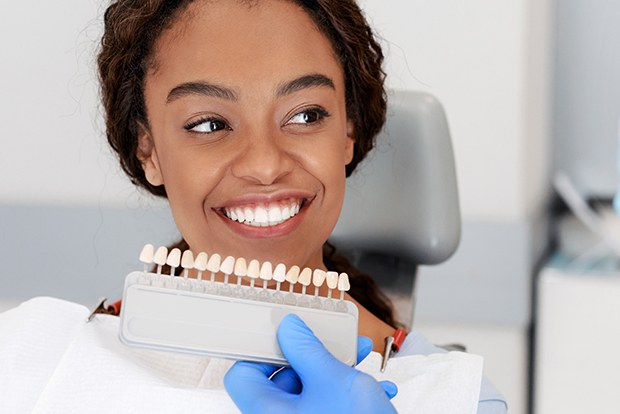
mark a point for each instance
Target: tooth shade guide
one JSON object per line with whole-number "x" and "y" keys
{"x": 331, "y": 279}
{"x": 279, "y": 275}
{"x": 265, "y": 271}
{"x": 213, "y": 265}
{"x": 146, "y": 255}
{"x": 200, "y": 263}
{"x": 160, "y": 258}
{"x": 318, "y": 277}
{"x": 343, "y": 284}
{"x": 305, "y": 278}
{"x": 292, "y": 276}
{"x": 174, "y": 260}
{"x": 205, "y": 311}
{"x": 227, "y": 267}
{"x": 253, "y": 271}
{"x": 240, "y": 270}
{"x": 187, "y": 262}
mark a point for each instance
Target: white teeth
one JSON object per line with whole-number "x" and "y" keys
{"x": 146, "y": 256}
{"x": 266, "y": 271}
{"x": 227, "y": 265}
{"x": 263, "y": 216}
{"x": 274, "y": 215}
{"x": 187, "y": 260}
{"x": 160, "y": 256}
{"x": 286, "y": 212}
{"x": 318, "y": 277}
{"x": 174, "y": 258}
{"x": 254, "y": 269}
{"x": 305, "y": 277}
{"x": 260, "y": 215}
{"x": 249, "y": 215}
{"x": 292, "y": 276}
{"x": 343, "y": 282}
{"x": 240, "y": 215}
{"x": 241, "y": 268}
{"x": 332, "y": 280}
{"x": 279, "y": 273}
{"x": 200, "y": 263}
{"x": 298, "y": 279}
{"x": 214, "y": 263}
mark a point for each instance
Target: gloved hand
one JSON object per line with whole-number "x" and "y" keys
{"x": 287, "y": 379}
{"x": 317, "y": 382}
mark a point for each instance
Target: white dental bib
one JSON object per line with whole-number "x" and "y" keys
{"x": 52, "y": 361}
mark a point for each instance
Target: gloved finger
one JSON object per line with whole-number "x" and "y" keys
{"x": 390, "y": 388}
{"x": 248, "y": 385}
{"x": 299, "y": 345}
{"x": 288, "y": 380}
{"x": 364, "y": 347}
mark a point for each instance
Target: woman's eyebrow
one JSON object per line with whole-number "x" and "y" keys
{"x": 201, "y": 88}
{"x": 307, "y": 81}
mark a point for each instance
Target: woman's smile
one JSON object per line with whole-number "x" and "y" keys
{"x": 274, "y": 216}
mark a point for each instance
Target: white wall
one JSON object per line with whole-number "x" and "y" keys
{"x": 488, "y": 62}
{"x": 53, "y": 148}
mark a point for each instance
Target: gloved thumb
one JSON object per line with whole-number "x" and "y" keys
{"x": 364, "y": 347}
{"x": 390, "y": 388}
{"x": 249, "y": 386}
{"x": 299, "y": 345}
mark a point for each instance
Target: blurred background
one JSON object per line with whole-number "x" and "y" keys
{"x": 530, "y": 88}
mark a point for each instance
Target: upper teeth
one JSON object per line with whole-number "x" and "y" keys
{"x": 263, "y": 216}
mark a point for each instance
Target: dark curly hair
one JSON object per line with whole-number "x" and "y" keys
{"x": 132, "y": 28}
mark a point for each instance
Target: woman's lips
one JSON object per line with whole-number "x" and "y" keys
{"x": 265, "y": 218}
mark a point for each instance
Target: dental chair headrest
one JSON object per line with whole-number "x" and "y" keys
{"x": 402, "y": 200}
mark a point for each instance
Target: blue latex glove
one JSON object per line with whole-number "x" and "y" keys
{"x": 317, "y": 382}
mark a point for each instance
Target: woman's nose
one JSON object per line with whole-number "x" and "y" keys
{"x": 264, "y": 160}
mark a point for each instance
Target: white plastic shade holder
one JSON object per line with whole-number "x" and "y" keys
{"x": 229, "y": 319}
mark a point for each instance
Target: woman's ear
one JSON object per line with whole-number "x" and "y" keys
{"x": 350, "y": 143}
{"x": 147, "y": 154}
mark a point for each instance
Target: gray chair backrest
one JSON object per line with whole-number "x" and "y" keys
{"x": 402, "y": 200}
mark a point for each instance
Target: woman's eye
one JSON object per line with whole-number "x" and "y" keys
{"x": 309, "y": 116}
{"x": 206, "y": 126}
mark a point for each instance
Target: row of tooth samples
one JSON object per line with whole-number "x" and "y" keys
{"x": 254, "y": 271}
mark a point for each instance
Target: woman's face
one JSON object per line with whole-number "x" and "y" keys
{"x": 248, "y": 130}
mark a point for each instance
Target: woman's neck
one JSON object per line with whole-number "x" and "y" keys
{"x": 372, "y": 327}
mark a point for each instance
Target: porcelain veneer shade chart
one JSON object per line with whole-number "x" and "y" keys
{"x": 236, "y": 320}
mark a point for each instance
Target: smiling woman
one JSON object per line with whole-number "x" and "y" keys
{"x": 248, "y": 116}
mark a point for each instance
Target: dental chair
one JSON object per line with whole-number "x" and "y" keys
{"x": 401, "y": 207}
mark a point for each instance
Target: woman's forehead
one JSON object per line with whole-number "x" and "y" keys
{"x": 234, "y": 39}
